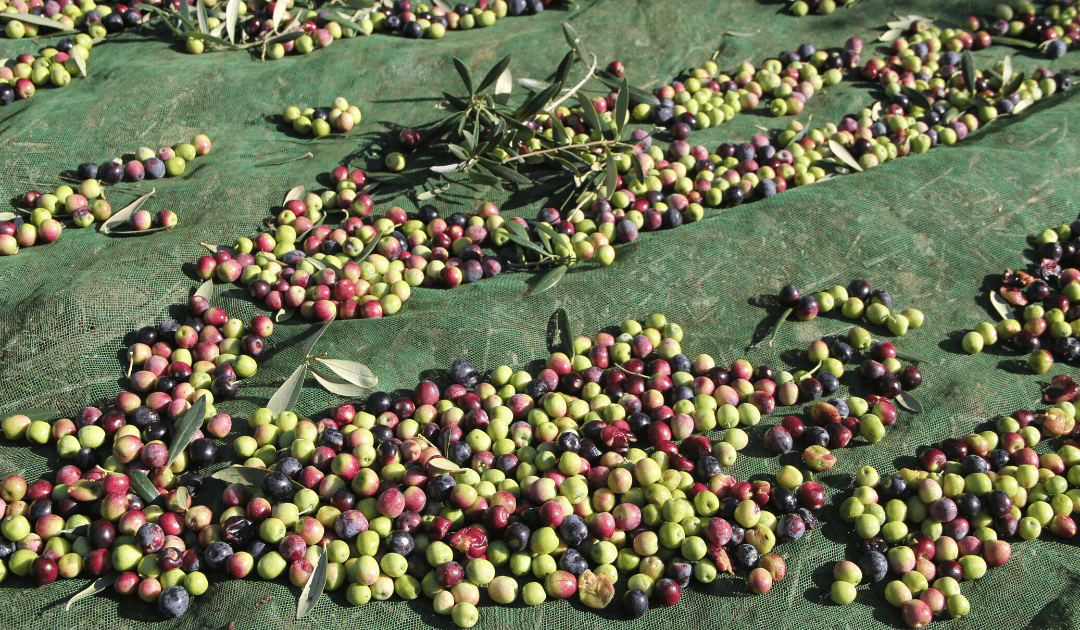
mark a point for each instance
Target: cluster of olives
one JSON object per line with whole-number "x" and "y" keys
{"x": 320, "y": 122}
{"x": 53, "y": 66}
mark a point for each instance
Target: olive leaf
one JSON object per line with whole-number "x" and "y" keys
{"x": 564, "y": 332}
{"x": 314, "y": 338}
{"x": 34, "y": 413}
{"x": 7, "y": 216}
{"x": 495, "y": 74}
{"x": 842, "y": 154}
{"x": 294, "y": 193}
{"x": 1017, "y": 43}
{"x": 783, "y": 318}
{"x": 1022, "y": 105}
{"x": 622, "y": 106}
{"x": 200, "y": 15}
{"x": 907, "y": 401}
{"x": 80, "y": 63}
{"x": 189, "y": 424}
{"x": 284, "y": 314}
{"x": 289, "y": 392}
{"x": 503, "y": 87}
{"x": 802, "y": 132}
{"x": 549, "y": 280}
{"x": 124, "y": 214}
{"x": 611, "y": 178}
{"x": 232, "y": 15}
{"x": 908, "y": 356}
{"x": 352, "y": 371}
{"x": 140, "y": 483}
{"x": 533, "y": 84}
{"x": 1006, "y": 70}
{"x": 916, "y": 97}
{"x": 205, "y": 290}
{"x": 574, "y": 40}
{"x": 246, "y": 475}
{"x": 968, "y": 67}
{"x": 1001, "y": 306}
{"x": 341, "y": 387}
{"x": 465, "y": 78}
{"x": 344, "y": 21}
{"x": 314, "y": 587}
{"x": 95, "y": 587}
{"x": 1013, "y": 85}
{"x": 639, "y": 95}
{"x": 153, "y": 230}
{"x": 36, "y": 20}
{"x": 891, "y": 35}
{"x": 283, "y": 160}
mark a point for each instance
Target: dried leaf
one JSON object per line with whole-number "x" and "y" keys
{"x": 1001, "y": 306}
{"x": 284, "y": 314}
{"x": 279, "y": 13}
{"x": 124, "y": 214}
{"x": 189, "y": 424}
{"x": 907, "y": 401}
{"x": 153, "y": 230}
{"x": 549, "y": 280}
{"x": 1017, "y": 43}
{"x": 463, "y": 72}
{"x": 314, "y": 587}
{"x": 341, "y": 387}
{"x": 95, "y": 587}
{"x": 967, "y": 64}
{"x": 34, "y": 413}
{"x": 36, "y": 20}
{"x": 286, "y": 396}
{"x": 140, "y": 483}
{"x": 352, "y": 371}
{"x": 7, "y": 216}
{"x": 908, "y": 356}
{"x": 293, "y": 194}
{"x": 503, "y": 87}
{"x": 205, "y": 290}
{"x": 131, "y": 361}
{"x": 842, "y": 154}
{"x": 891, "y": 35}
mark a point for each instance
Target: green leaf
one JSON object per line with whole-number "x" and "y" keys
{"x": 521, "y": 238}
{"x": 286, "y": 37}
{"x": 246, "y": 475}
{"x": 284, "y": 314}
{"x": 1004, "y": 310}
{"x": 1006, "y": 70}
{"x": 967, "y": 63}
{"x": 1022, "y": 105}
{"x": 907, "y": 401}
{"x": 344, "y": 21}
{"x": 294, "y": 193}
{"x": 205, "y": 290}
{"x": 465, "y": 78}
{"x": 1013, "y": 85}
{"x": 34, "y": 413}
{"x": 494, "y": 74}
{"x": 389, "y": 178}
{"x": 508, "y": 174}
{"x": 622, "y": 105}
{"x": 314, "y": 338}
{"x": 590, "y": 113}
{"x": 1016, "y": 43}
{"x": 140, "y": 483}
{"x": 7, "y": 216}
{"x": 638, "y": 95}
{"x": 537, "y": 102}
{"x": 564, "y": 332}
{"x": 200, "y": 15}
{"x": 842, "y": 154}
{"x": 612, "y": 177}
{"x": 124, "y": 214}
{"x": 95, "y": 587}
{"x": 891, "y": 35}
{"x": 80, "y": 64}
{"x": 503, "y": 87}
{"x": 341, "y": 387}
{"x": 185, "y": 11}
{"x": 559, "y": 133}
{"x": 314, "y": 587}
{"x": 370, "y": 247}
{"x": 352, "y": 371}
{"x": 277, "y": 161}
{"x": 286, "y": 395}
{"x": 189, "y": 424}
{"x": 575, "y": 42}
{"x": 232, "y": 16}
{"x": 533, "y": 84}
{"x": 36, "y": 20}
{"x": 916, "y": 97}
{"x": 549, "y": 280}
{"x": 802, "y": 132}
{"x": 908, "y": 356}
{"x": 783, "y": 318}
{"x": 153, "y": 230}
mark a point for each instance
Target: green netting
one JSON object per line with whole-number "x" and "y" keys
{"x": 929, "y": 229}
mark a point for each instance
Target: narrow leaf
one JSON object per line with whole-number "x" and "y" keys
{"x": 284, "y": 314}
{"x": 590, "y": 113}
{"x": 125, "y": 213}
{"x": 314, "y": 587}
{"x": 802, "y": 132}
{"x": 140, "y": 483}
{"x": 908, "y": 356}
{"x": 533, "y": 84}
{"x": 1013, "y": 85}
{"x": 389, "y": 178}
{"x": 286, "y": 395}
{"x": 559, "y": 132}
{"x": 1016, "y": 43}
{"x": 277, "y": 161}
{"x": 622, "y": 107}
{"x": 842, "y": 154}
{"x": 907, "y": 401}
{"x": 891, "y": 35}
{"x": 783, "y": 318}
{"x": 80, "y": 64}
{"x": 564, "y": 332}
{"x": 549, "y": 280}
{"x": 369, "y": 248}
{"x": 341, "y": 387}
{"x": 7, "y": 216}
{"x": 293, "y": 194}
{"x": 916, "y": 97}
{"x": 352, "y": 371}
{"x": 27, "y": 18}
{"x": 34, "y": 413}
{"x": 185, "y": 11}
{"x": 1006, "y": 70}
{"x": 1022, "y": 105}
{"x": 574, "y": 40}
{"x": 563, "y": 70}
{"x": 314, "y": 338}
{"x": 1001, "y": 306}
{"x": 232, "y": 15}
{"x": 344, "y": 21}
{"x": 503, "y": 87}
{"x": 509, "y": 174}
{"x": 153, "y": 230}
{"x": 638, "y": 95}
{"x": 465, "y": 78}
{"x": 967, "y": 64}
{"x": 205, "y": 290}
{"x": 279, "y": 13}
{"x": 95, "y": 587}
{"x": 189, "y": 424}
{"x": 200, "y": 15}
{"x": 246, "y": 475}
{"x": 494, "y": 74}
{"x": 525, "y": 242}
{"x": 875, "y": 111}
{"x": 612, "y": 177}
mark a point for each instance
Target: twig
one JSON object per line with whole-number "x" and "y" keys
{"x": 573, "y": 90}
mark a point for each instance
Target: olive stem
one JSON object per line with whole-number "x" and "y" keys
{"x": 582, "y": 145}
{"x": 573, "y": 90}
